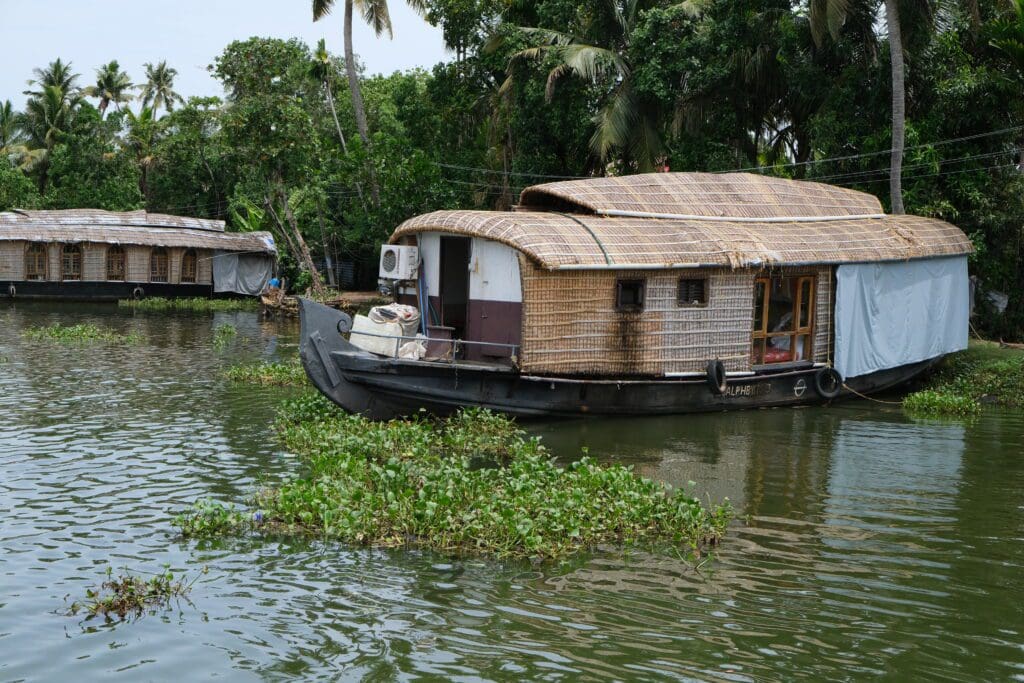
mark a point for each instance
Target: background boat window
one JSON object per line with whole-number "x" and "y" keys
{"x": 692, "y": 292}
{"x": 188, "y": 266}
{"x": 629, "y": 295}
{"x": 158, "y": 265}
{"x": 71, "y": 262}
{"x": 35, "y": 261}
{"x": 783, "y": 319}
{"x": 115, "y": 263}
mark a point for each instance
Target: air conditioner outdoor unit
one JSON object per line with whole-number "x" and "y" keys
{"x": 399, "y": 262}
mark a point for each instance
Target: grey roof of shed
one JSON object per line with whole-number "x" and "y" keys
{"x": 131, "y": 227}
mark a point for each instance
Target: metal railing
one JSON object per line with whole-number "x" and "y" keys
{"x": 456, "y": 344}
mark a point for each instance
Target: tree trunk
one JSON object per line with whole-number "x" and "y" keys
{"x": 892, "y": 18}
{"x": 341, "y": 136}
{"x": 268, "y": 202}
{"x": 357, "y": 98}
{"x": 318, "y": 283}
{"x": 327, "y": 252}
{"x": 334, "y": 113}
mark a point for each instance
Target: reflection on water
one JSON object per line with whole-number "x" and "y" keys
{"x": 871, "y": 545}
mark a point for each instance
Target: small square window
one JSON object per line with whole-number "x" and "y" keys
{"x": 692, "y": 292}
{"x": 629, "y": 295}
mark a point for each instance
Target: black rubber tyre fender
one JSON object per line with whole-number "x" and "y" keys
{"x": 717, "y": 381}
{"x": 828, "y": 382}
{"x": 12, "y": 291}
{"x": 138, "y": 293}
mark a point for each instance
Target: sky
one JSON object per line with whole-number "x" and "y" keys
{"x": 189, "y": 34}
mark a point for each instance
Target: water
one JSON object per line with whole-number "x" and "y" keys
{"x": 869, "y": 545}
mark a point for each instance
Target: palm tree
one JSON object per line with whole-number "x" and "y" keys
{"x": 56, "y": 73}
{"x": 112, "y": 85}
{"x": 321, "y": 69}
{"x": 625, "y": 124}
{"x": 142, "y": 132}
{"x": 48, "y": 117}
{"x": 11, "y": 133}
{"x": 159, "y": 87}
{"x": 376, "y": 14}
{"x": 831, "y": 15}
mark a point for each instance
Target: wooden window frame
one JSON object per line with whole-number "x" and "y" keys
{"x": 193, "y": 278}
{"x": 153, "y": 271}
{"x": 72, "y": 250}
{"x": 801, "y": 328}
{"x": 630, "y": 308}
{"x": 31, "y": 273}
{"x": 705, "y": 294}
{"x": 114, "y": 250}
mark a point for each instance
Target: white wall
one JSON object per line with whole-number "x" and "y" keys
{"x": 494, "y": 272}
{"x": 494, "y": 269}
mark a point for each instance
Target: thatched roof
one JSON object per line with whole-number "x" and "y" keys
{"x": 737, "y": 195}
{"x": 132, "y": 227}
{"x": 765, "y": 238}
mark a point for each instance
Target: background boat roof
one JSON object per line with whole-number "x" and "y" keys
{"x": 757, "y": 229}
{"x": 130, "y": 227}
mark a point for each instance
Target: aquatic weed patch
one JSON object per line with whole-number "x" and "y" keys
{"x": 130, "y": 595}
{"x": 82, "y": 333}
{"x": 930, "y": 402}
{"x": 191, "y": 304}
{"x": 471, "y": 483}
{"x": 269, "y": 374}
{"x": 967, "y": 380}
{"x": 223, "y": 334}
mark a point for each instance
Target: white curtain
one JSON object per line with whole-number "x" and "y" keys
{"x": 892, "y": 314}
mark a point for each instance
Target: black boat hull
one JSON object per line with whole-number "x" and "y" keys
{"x": 383, "y": 388}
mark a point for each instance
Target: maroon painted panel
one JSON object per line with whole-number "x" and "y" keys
{"x": 493, "y": 321}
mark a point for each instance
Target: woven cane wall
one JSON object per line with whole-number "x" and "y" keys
{"x": 94, "y": 262}
{"x": 204, "y": 266}
{"x": 137, "y": 264}
{"x": 53, "y": 262}
{"x": 570, "y": 325}
{"x": 822, "y": 350}
{"x": 174, "y": 265}
{"x": 12, "y": 260}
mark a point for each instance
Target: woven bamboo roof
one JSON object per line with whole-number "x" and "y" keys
{"x": 759, "y": 237}
{"x": 132, "y": 227}
{"x": 737, "y": 195}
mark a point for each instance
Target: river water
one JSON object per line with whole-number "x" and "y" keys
{"x": 868, "y": 545}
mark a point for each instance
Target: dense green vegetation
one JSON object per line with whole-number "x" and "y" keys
{"x": 269, "y": 374}
{"x": 83, "y": 333}
{"x": 985, "y": 374}
{"x": 470, "y": 483}
{"x": 191, "y": 304}
{"x": 331, "y": 159}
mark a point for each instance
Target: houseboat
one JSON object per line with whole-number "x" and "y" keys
{"x": 650, "y": 294}
{"x": 91, "y": 254}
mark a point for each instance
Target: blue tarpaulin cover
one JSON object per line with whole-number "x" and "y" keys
{"x": 892, "y": 314}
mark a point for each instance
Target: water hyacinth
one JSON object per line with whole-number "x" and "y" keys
{"x": 471, "y": 483}
{"x": 269, "y": 374}
{"x": 83, "y": 333}
{"x": 192, "y": 304}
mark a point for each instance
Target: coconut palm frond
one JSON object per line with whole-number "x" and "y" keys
{"x": 614, "y": 123}
{"x": 322, "y": 8}
{"x": 376, "y": 14}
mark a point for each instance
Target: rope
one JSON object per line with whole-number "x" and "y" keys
{"x": 876, "y": 400}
